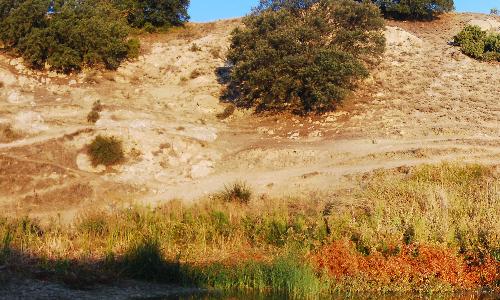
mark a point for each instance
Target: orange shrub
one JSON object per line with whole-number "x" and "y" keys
{"x": 412, "y": 267}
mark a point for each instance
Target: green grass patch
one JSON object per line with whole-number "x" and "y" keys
{"x": 285, "y": 276}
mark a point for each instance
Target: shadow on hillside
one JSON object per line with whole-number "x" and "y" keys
{"x": 230, "y": 92}
{"x": 223, "y": 74}
{"x": 142, "y": 264}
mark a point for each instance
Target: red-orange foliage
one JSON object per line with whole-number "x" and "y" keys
{"x": 414, "y": 265}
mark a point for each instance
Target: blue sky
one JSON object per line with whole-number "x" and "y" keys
{"x": 210, "y": 10}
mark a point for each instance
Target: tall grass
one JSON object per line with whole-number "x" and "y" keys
{"x": 285, "y": 276}
{"x": 437, "y": 214}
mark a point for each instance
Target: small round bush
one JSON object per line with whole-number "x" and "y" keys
{"x": 106, "y": 151}
{"x": 470, "y": 34}
{"x": 237, "y": 192}
{"x": 93, "y": 116}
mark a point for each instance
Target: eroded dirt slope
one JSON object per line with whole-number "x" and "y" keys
{"x": 426, "y": 102}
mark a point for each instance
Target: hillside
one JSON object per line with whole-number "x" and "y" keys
{"x": 426, "y": 102}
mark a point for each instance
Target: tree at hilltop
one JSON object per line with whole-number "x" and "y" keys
{"x": 414, "y": 9}
{"x": 67, "y": 35}
{"x": 158, "y": 13}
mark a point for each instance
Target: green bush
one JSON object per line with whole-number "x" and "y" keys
{"x": 105, "y": 151}
{"x": 491, "y": 56}
{"x": 492, "y": 43}
{"x": 81, "y": 33}
{"x": 478, "y": 44}
{"x": 414, "y": 9}
{"x": 19, "y": 18}
{"x": 292, "y": 55}
{"x": 158, "y": 13}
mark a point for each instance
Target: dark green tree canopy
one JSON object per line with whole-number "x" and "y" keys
{"x": 414, "y": 9}
{"x": 303, "y": 55}
{"x": 159, "y": 13}
{"x": 283, "y": 4}
{"x": 479, "y": 44}
{"x": 81, "y": 33}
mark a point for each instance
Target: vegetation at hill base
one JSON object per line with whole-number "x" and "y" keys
{"x": 303, "y": 56}
{"x": 79, "y": 34}
{"x": 432, "y": 228}
{"x": 414, "y": 9}
{"x": 479, "y": 44}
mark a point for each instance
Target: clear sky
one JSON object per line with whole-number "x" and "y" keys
{"x": 210, "y": 10}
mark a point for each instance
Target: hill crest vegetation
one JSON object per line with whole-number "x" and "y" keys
{"x": 414, "y": 9}
{"x": 81, "y": 34}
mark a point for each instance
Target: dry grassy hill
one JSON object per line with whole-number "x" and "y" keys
{"x": 426, "y": 102}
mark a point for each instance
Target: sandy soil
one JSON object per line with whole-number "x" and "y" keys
{"x": 425, "y": 103}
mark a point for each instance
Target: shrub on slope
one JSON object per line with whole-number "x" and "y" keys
{"x": 303, "y": 56}
{"x": 106, "y": 150}
{"x": 88, "y": 33}
{"x": 479, "y": 44}
{"x": 77, "y": 34}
